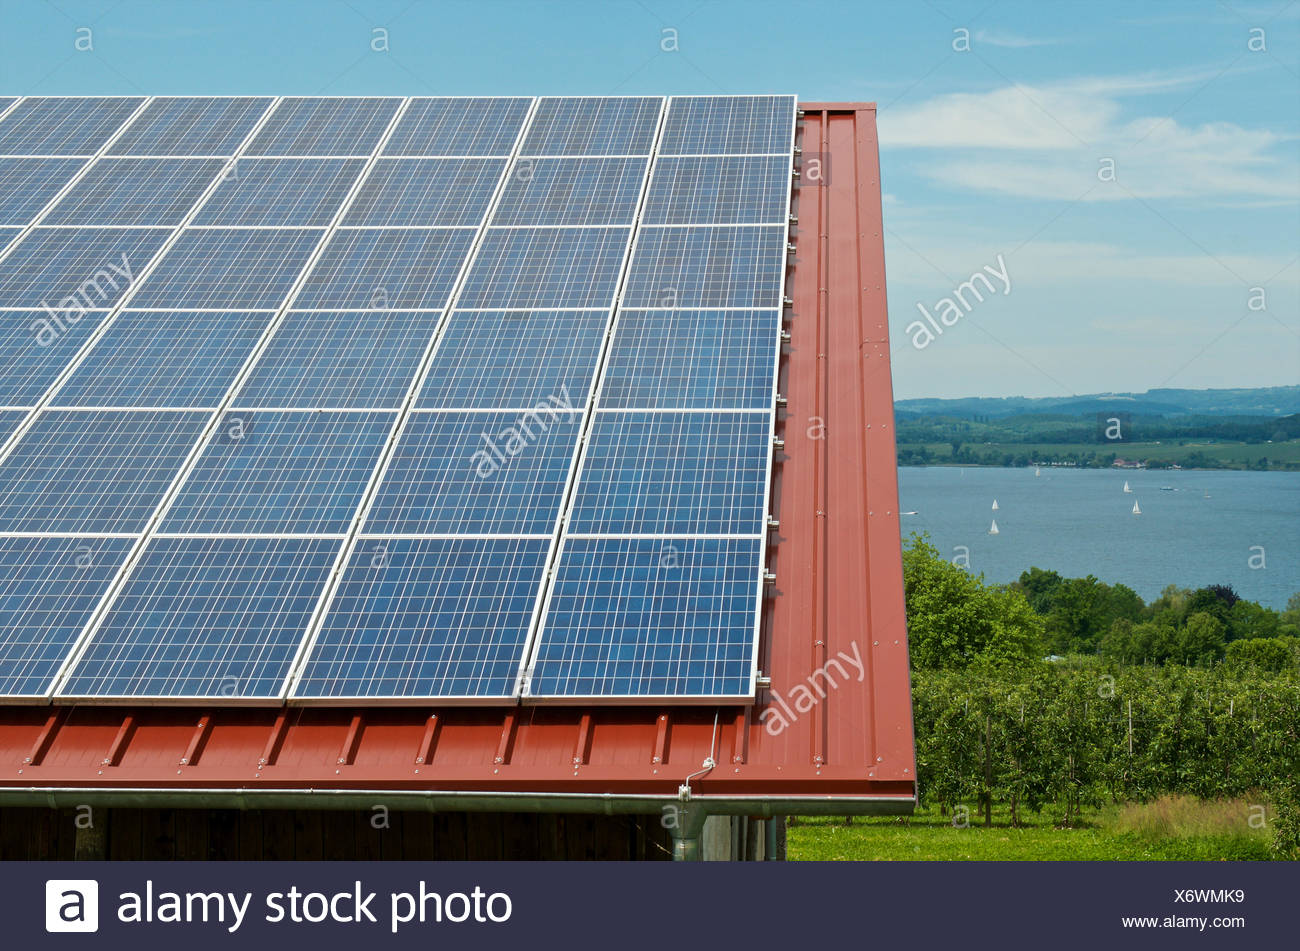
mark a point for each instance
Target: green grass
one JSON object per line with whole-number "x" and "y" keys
{"x": 1168, "y": 829}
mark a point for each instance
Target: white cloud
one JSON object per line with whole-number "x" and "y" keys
{"x": 1050, "y": 141}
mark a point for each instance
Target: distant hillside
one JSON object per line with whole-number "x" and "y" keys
{"x": 1262, "y": 401}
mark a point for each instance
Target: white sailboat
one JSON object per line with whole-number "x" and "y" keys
{"x": 1136, "y": 509}
{"x": 1126, "y": 488}
{"x": 1037, "y": 471}
{"x": 993, "y": 529}
{"x": 995, "y": 505}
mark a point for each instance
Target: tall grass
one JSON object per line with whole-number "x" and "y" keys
{"x": 1176, "y": 816}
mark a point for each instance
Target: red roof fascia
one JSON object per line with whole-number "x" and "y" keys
{"x": 836, "y": 608}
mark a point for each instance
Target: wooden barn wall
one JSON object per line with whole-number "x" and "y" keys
{"x": 28, "y": 834}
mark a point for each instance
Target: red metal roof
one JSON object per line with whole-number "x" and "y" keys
{"x": 838, "y": 594}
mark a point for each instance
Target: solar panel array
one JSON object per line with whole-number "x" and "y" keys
{"x": 384, "y": 400}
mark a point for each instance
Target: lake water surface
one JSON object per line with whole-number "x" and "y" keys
{"x": 1080, "y": 522}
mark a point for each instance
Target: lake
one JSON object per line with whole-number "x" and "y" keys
{"x": 1080, "y": 522}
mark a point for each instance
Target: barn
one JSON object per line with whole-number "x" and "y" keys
{"x": 444, "y": 478}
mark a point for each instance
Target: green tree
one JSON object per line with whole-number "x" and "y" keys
{"x": 1153, "y": 642}
{"x": 954, "y": 618}
{"x": 1202, "y": 639}
{"x": 1246, "y": 619}
{"x": 1038, "y": 586}
{"x": 1272, "y": 654}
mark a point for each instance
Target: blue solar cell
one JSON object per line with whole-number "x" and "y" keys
{"x": 28, "y": 184}
{"x": 218, "y": 618}
{"x": 698, "y": 359}
{"x": 410, "y": 192}
{"x": 706, "y": 267}
{"x": 8, "y": 236}
{"x": 72, "y": 270}
{"x": 164, "y": 359}
{"x": 700, "y": 190}
{"x": 728, "y": 124}
{"x": 191, "y": 125}
{"x": 650, "y": 618}
{"x": 10, "y": 419}
{"x": 226, "y": 267}
{"x": 673, "y": 474}
{"x": 86, "y": 471}
{"x": 427, "y": 618}
{"x": 458, "y": 126}
{"x": 387, "y": 268}
{"x": 135, "y": 191}
{"x": 608, "y": 125}
{"x": 268, "y": 192}
{"x": 57, "y": 125}
{"x": 584, "y": 191}
{"x": 514, "y": 359}
{"x": 476, "y": 473}
{"x": 280, "y": 473}
{"x": 357, "y": 359}
{"x": 545, "y": 267}
{"x": 49, "y": 587}
{"x": 324, "y": 126}
{"x": 34, "y": 350}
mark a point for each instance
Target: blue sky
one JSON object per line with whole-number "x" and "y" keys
{"x": 989, "y": 150}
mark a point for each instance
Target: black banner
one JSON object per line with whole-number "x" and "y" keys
{"x": 624, "y": 906}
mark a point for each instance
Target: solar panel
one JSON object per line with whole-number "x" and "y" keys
{"x": 56, "y": 125}
{"x": 8, "y": 236}
{"x": 227, "y": 267}
{"x": 173, "y": 125}
{"x": 458, "y": 126}
{"x": 719, "y": 190}
{"x": 433, "y": 192}
{"x": 517, "y": 355}
{"x": 164, "y": 359}
{"x": 280, "y": 473}
{"x": 72, "y": 270}
{"x": 10, "y": 420}
{"x": 305, "y": 193}
{"x": 597, "y": 125}
{"x": 386, "y": 268}
{"x": 514, "y": 358}
{"x": 323, "y": 126}
{"x": 441, "y": 617}
{"x": 135, "y": 192}
{"x": 715, "y": 125}
{"x": 357, "y": 359}
{"x": 692, "y": 359}
{"x": 84, "y": 471}
{"x": 28, "y": 184}
{"x": 673, "y": 474}
{"x": 585, "y": 191}
{"x": 48, "y": 589}
{"x": 707, "y": 267}
{"x": 657, "y": 584}
{"x": 632, "y": 618}
{"x": 476, "y": 473}
{"x": 218, "y": 618}
{"x": 545, "y": 267}
{"x": 34, "y": 351}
